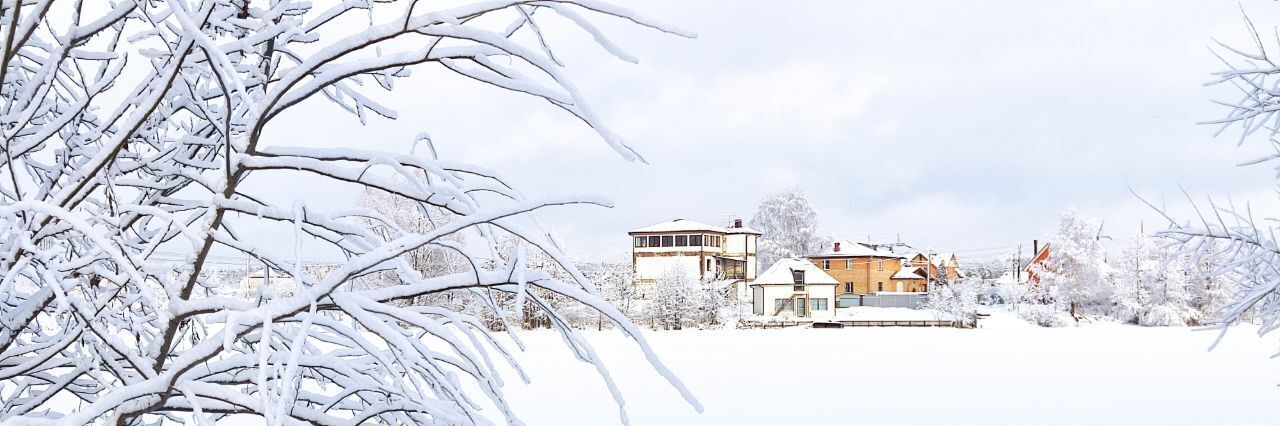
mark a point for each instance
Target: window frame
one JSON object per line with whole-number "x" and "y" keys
{"x": 668, "y": 240}
{"x": 641, "y": 242}
{"x": 814, "y": 304}
{"x": 848, "y": 287}
{"x": 826, "y": 264}
{"x": 655, "y": 241}
{"x": 848, "y": 264}
{"x": 682, "y": 239}
{"x": 695, "y": 238}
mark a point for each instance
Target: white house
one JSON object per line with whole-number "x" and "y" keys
{"x": 794, "y": 288}
{"x": 704, "y": 251}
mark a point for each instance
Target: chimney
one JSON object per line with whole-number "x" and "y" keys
{"x": 837, "y": 247}
{"x": 1035, "y": 247}
{"x": 737, "y": 223}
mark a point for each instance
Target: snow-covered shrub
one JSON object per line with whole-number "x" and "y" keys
{"x": 1044, "y": 316}
{"x": 140, "y": 132}
{"x": 955, "y": 301}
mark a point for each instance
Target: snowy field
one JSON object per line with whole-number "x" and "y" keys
{"x": 1005, "y": 373}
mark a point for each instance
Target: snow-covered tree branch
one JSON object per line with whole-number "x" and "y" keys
{"x": 135, "y": 128}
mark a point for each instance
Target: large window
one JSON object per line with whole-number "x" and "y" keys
{"x": 642, "y": 242}
{"x": 817, "y": 304}
{"x": 695, "y": 240}
{"x": 848, "y": 264}
{"x": 682, "y": 240}
{"x": 667, "y": 241}
{"x": 654, "y": 241}
{"x": 826, "y": 264}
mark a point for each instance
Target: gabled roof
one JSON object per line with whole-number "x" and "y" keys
{"x": 852, "y": 249}
{"x": 780, "y": 273}
{"x": 908, "y": 274}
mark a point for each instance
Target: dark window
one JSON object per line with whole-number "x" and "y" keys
{"x": 682, "y": 240}
{"x": 826, "y": 264}
{"x": 848, "y": 264}
{"x": 667, "y": 241}
{"x": 848, "y": 287}
{"x": 695, "y": 240}
{"x": 797, "y": 287}
{"x": 653, "y": 241}
{"x": 879, "y": 286}
{"x": 797, "y": 277}
{"x": 641, "y": 241}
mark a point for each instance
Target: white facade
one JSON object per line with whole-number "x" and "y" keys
{"x": 794, "y": 289}
{"x": 703, "y": 251}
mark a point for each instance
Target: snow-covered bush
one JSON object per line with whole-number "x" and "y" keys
{"x": 955, "y": 301}
{"x": 1044, "y": 316}
{"x": 681, "y": 301}
{"x": 140, "y": 131}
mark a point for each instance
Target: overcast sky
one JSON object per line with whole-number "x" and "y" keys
{"x": 958, "y": 126}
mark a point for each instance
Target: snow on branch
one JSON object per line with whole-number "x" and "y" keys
{"x": 131, "y": 132}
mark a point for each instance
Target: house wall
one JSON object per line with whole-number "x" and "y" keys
{"x": 865, "y": 275}
{"x": 764, "y": 296}
{"x": 742, "y": 246}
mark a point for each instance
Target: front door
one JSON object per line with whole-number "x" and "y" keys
{"x": 802, "y": 306}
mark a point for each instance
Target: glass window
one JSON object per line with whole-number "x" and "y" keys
{"x": 880, "y": 265}
{"x": 695, "y": 240}
{"x": 653, "y": 241}
{"x": 797, "y": 287}
{"x": 848, "y": 264}
{"x": 879, "y": 286}
{"x": 641, "y": 241}
{"x": 826, "y": 264}
{"x": 667, "y": 241}
{"x": 797, "y": 277}
{"x": 780, "y": 305}
{"x": 818, "y": 304}
{"x": 848, "y": 287}
{"x": 682, "y": 240}
{"x": 708, "y": 265}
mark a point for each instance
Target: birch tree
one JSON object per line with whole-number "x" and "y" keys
{"x": 136, "y": 128}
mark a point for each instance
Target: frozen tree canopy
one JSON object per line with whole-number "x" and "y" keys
{"x": 788, "y": 226}
{"x": 133, "y": 128}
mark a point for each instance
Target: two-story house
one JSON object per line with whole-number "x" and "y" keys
{"x": 861, "y": 270}
{"x": 702, "y": 251}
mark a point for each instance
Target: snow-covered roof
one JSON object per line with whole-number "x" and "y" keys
{"x": 678, "y": 225}
{"x": 908, "y": 274}
{"x": 686, "y": 225}
{"x": 780, "y": 273}
{"x": 852, "y": 249}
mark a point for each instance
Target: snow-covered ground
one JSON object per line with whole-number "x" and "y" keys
{"x": 1005, "y": 373}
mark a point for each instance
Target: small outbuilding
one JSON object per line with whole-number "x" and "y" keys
{"x": 794, "y": 288}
